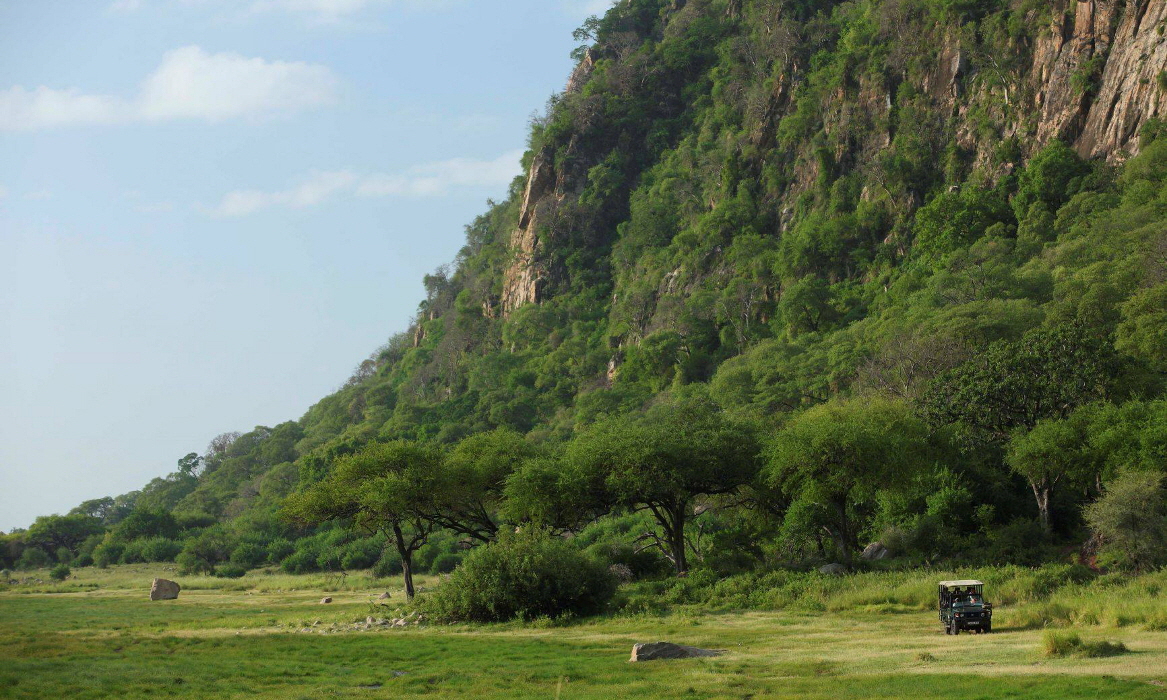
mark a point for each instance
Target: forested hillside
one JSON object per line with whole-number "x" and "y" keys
{"x": 784, "y": 277}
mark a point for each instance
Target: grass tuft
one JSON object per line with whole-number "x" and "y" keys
{"x": 1064, "y": 644}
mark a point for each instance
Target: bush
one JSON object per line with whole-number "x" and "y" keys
{"x": 60, "y": 572}
{"x": 445, "y": 563}
{"x": 387, "y": 566}
{"x": 33, "y": 558}
{"x": 524, "y": 575}
{"x": 278, "y": 550}
{"x": 230, "y": 571}
{"x": 156, "y": 549}
{"x": 108, "y": 552}
{"x": 248, "y": 555}
{"x": 301, "y": 561}
{"x": 1131, "y": 521}
{"x": 361, "y": 554}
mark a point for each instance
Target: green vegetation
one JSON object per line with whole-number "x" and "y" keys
{"x": 1056, "y": 643}
{"x": 267, "y": 636}
{"x": 794, "y": 293}
{"x": 526, "y": 575}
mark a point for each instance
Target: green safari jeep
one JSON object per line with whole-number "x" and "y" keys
{"x": 963, "y": 607}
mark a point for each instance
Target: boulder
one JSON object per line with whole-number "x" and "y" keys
{"x": 833, "y": 569}
{"x": 162, "y": 589}
{"x": 325, "y": 600}
{"x": 655, "y": 651}
{"x": 875, "y": 552}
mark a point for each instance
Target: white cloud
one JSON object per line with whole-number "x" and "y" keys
{"x": 431, "y": 180}
{"x": 439, "y": 178}
{"x": 315, "y": 190}
{"x": 189, "y": 84}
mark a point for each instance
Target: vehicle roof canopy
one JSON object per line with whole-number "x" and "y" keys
{"x": 953, "y": 584}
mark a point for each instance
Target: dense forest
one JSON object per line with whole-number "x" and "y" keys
{"x": 784, "y": 278}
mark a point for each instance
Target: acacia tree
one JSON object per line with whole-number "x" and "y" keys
{"x": 837, "y": 456}
{"x": 1054, "y": 453}
{"x": 383, "y": 488}
{"x": 468, "y": 489}
{"x": 663, "y": 462}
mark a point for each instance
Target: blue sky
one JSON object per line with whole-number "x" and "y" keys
{"x": 212, "y": 210}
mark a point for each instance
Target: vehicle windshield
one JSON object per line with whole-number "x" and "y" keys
{"x": 974, "y": 599}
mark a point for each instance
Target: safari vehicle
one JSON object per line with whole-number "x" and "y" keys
{"x": 963, "y": 607}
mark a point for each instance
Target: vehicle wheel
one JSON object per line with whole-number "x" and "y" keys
{"x": 947, "y": 629}
{"x": 956, "y": 629}
{"x": 988, "y": 628}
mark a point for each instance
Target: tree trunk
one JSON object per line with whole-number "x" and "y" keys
{"x": 1041, "y": 492}
{"x": 677, "y": 541}
{"x": 842, "y": 533}
{"x": 406, "y": 555}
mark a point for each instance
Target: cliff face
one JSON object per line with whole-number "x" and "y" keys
{"x": 1097, "y": 74}
{"x": 1089, "y": 76}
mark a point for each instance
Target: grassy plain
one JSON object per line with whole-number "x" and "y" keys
{"x": 268, "y": 636}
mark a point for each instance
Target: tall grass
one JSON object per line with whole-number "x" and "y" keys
{"x": 1050, "y": 596}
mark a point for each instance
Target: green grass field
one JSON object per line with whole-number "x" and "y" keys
{"x": 267, "y": 636}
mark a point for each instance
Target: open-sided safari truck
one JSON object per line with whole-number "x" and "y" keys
{"x": 963, "y": 607}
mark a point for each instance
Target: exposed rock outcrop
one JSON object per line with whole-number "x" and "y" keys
{"x": 527, "y": 275}
{"x": 1096, "y": 74}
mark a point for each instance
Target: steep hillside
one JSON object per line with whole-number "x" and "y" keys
{"x": 776, "y": 203}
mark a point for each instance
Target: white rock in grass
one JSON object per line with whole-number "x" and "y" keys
{"x": 162, "y": 589}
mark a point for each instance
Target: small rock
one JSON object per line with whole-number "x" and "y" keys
{"x": 399, "y": 623}
{"x": 655, "y": 651}
{"x": 369, "y": 620}
{"x": 162, "y": 589}
{"x": 325, "y": 600}
{"x": 383, "y": 596}
{"x": 875, "y": 552}
{"x": 833, "y": 569}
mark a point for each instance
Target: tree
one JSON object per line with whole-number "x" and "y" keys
{"x": 189, "y": 465}
{"x": 100, "y": 508}
{"x": 1055, "y": 452}
{"x": 836, "y": 456}
{"x": 1046, "y": 374}
{"x": 468, "y": 489}
{"x": 664, "y": 462}
{"x": 385, "y": 488}
{"x": 52, "y": 532}
{"x": 1131, "y": 521}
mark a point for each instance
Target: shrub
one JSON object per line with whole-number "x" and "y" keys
{"x": 361, "y": 554}
{"x": 155, "y": 549}
{"x": 525, "y": 575}
{"x": 1131, "y": 521}
{"x": 33, "y": 558}
{"x": 248, "y": 555}
{"x": 301, "y": 561}
{"x": 60, "y": 572}
{"x": 278, "y": 550}
{"x": 230, "y": 571}
{"x": 445, "y": 563}
{"x": 388, "y": 565}
{"x": 108, "y": 552}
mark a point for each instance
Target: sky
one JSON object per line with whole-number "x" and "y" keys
{"x": 212, "y": 210}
